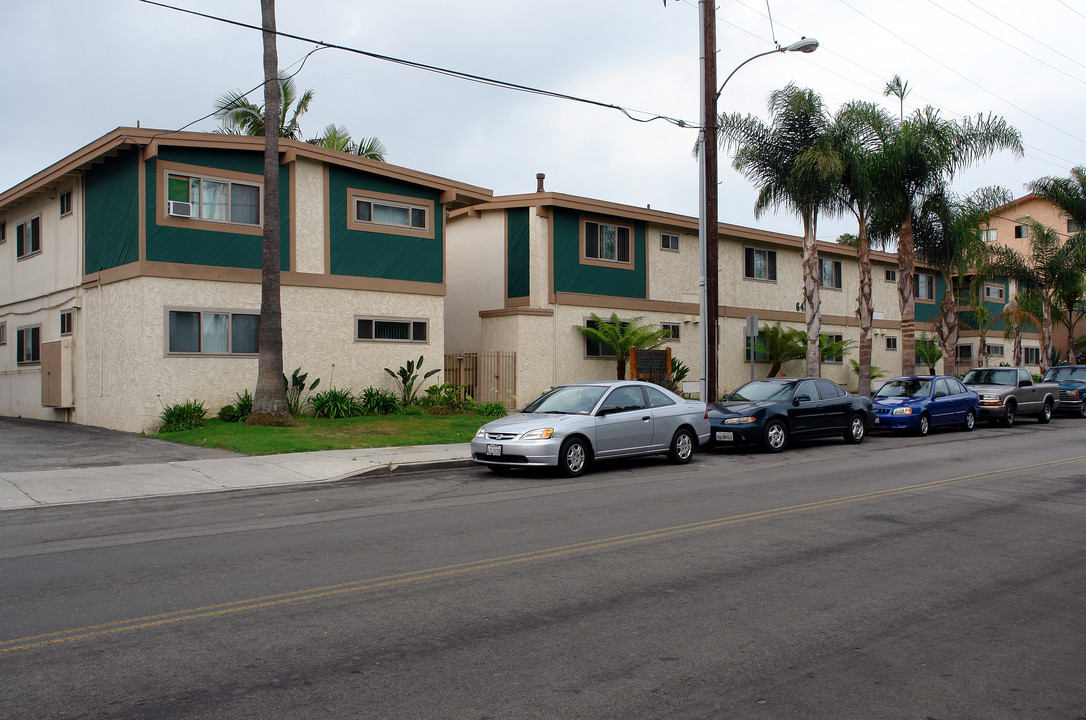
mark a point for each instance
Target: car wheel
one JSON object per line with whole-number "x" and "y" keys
{"x": 1082, "y": 409}
{"x": 1008, "y": 416}
{"x": 775, "y": 437}
{"x": 682, "y": 447}
{"x": 970, "y": 421}
{"x": 573, "y": 457}
{"x": 1046, "y": 413}
{"x": 857, "y": 428}
{"x": 923, "y": 425}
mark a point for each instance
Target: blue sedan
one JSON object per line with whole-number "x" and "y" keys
{"x": 921, "y": 402}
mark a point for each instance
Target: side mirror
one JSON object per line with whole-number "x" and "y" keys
{"x": 940, "y": 394}
{"x": 801, "y": 398}
{"x": 607, "y": 410}
{"x": 724, "y": 397}
{"x": 1025, "y": 383}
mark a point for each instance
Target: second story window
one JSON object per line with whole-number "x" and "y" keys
{"x": 924, "y": 286}
{"x": 66, "y": 203}
{"x": 988, "y": 236}
{"x": 669, "y": 241}
{"x": 1021, "y": 231}
{"x": 28, "y": 238}
{"x": 66, "y": 322}
{"x": 891, "y": 275}
{"x": 603, "y": 241}
{"x": 830, "y": 273}
{"x": 994, "y": 292}
{"x": 213, "y": 199}
{"x": 759, "y": 264}
{"x": 391, "y": 214}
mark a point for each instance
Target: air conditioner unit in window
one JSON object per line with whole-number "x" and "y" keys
{"x": 179, "y": 209}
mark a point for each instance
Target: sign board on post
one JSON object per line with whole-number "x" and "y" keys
{"x": 651, "y": 365}
{"x": 752, "y": 333}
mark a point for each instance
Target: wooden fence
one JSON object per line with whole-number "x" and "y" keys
{"x": 486, "y": 376}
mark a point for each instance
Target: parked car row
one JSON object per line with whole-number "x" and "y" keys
{"x": 571, "y": 426}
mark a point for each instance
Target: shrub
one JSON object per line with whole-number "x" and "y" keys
{"x": 445, "y": 399}
{"x": 491, "y": 409}
{"x": 407, "y": 378}
{"x": 335, "y": 403}
{"x": 238, "y": 411}
{"x": 376, "y": 401}
{"x": 294, "y": 389}
{"x": 183, "y": 416}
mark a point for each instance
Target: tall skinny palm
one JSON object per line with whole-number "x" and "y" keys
{"x": 861, "y": 128}
{"x": 795, "y": 162}
{"x": 1050, "y": 265}
{"x": 922, "y": 154}
{"x": 947, "y": 233}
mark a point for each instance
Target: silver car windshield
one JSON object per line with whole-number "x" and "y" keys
{"x": 991, "y": 376}
{"x": 568, "y": 400}
{"x": 911, "y": 387}
{"x": 762, "y": 392}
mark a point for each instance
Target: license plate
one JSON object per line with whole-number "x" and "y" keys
{"x": 493, "y": 449}
{"x": 724, "y": 436}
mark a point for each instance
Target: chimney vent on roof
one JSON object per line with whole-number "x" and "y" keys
{"x": 539, "y": 177}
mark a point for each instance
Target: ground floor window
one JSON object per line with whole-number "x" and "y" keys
{"x": 963, "y": 353}
{"x": 673, "y": 329}
{"x": 386, "y": 329}
{"x": 891, "y": 342}
{"x": 837, "y": 351}
{"x": 994, "y": 350}
{"x": 1031, "y": 356}
{"x": 211, "y": 332}
{"x": 28, "y": 345}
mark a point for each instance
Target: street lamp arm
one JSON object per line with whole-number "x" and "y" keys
{"x": 804, "y": 45}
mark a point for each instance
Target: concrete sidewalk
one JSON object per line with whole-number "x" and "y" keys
{"x": 38, "y": 488}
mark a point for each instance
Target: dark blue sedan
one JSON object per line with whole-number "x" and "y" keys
{"x": 770, "y": 412}
{"x": 1072, "y": 380}
{"x": 920, "y": 402}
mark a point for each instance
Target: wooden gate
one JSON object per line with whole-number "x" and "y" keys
{"x": 485, "y": 376}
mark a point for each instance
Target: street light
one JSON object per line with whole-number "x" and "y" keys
{"x": 707, "y": 161}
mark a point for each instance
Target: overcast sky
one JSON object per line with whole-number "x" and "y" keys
{"x": 76, "y": 69}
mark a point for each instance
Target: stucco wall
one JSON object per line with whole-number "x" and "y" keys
{"x": 128, "y": 376}
{"x": 309, "y": 202}
{"x": 475, "y": 276}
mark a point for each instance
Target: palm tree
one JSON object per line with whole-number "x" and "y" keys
{"x": 1018, "y": 312}
{"x": 781, "y": 345}
{"x": 861, "y": 127}
{"x": 1050, "y": 265}
{"x": 796, "y": 163}
{"x": 928, "y": 353}
{"x": 921, "y": 155}
{"x": 1068, "y": 194}
{"x": 270, "y": 405}
{"x": 239, "y": 116}
{"x": 947, "y": 234}
{"x": 618, "y": 336}
{"x": 337, "y": 137}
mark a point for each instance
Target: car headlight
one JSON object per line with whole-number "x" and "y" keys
{"x": 1072, "y": 393}
{"x": 739, "y": 420}
{"x": 481, "y": 432}
{"x": 902, "y": 411}
{"x": 541, "y": 434}
{"x": 989, "y": 398}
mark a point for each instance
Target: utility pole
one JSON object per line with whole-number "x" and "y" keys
{"x": 710, "y": 228}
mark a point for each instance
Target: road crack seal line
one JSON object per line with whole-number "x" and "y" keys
{"x": 268, "y": 601}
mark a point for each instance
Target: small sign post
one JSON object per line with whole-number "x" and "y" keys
{"x": 752, "y": 335}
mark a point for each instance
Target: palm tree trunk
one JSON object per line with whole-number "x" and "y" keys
{"x": 1046, "y": 333}
{"x": 906, "y": 261}
{"x": 812, "y": 300}
{"x": 270, "y": 400}
{"x": 948, "y": 330}
{"x": 866, "y": 310}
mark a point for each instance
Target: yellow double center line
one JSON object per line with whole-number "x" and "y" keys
{"x": 239, "y": 606}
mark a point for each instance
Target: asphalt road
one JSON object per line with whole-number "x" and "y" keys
{"x": 904, "y": 578}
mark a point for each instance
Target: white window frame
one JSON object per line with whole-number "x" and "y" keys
{"x": 411, "y": 209}
{"x": 194, "y": 219}
{"x": 624, "y": 239}
{"x": 994, "y": 292}
{"x": 20, "y": 338}
{"x": 67, "y": 322}
{"x": 65, "y": 202}
{"x": 835, "y": 273}
{"x": 1021, "y": 231}
{"x": 669, "y": 242}
{"x": 411, "y": 328}
{"x": 229, "y": 312}
{"x": 930, "y": 284}
{"x": 674, "y": 328}
{"x": 770, "y": 268}
{"x": 995, "y": 350}
{"x": 989, "y": 235}
{"x": 24, "y": 228}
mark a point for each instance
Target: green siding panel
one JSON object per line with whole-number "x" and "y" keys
{"x": 571, "y": 276}
{"x": 209, "y": 246}
{"x": 112, "y": 213}
{"x": 382, "y": 255}
{"x": 518, "y": 264}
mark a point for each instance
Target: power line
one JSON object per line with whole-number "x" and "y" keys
{"x": 443, "y": 71}
{"x": 1024, "y": 34}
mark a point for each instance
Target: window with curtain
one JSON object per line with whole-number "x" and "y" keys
{"x": 207, "y": 332}
{"x": 214, "y": 199}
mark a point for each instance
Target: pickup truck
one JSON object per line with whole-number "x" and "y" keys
{"x": 1007, "y": 392}
{"x": 1072, "y": 382}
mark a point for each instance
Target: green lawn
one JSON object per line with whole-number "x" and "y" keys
{"x": 314, "y": 434}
